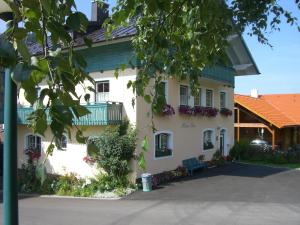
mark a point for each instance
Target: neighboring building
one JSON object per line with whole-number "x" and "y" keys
{"x": 278, "y": 115}
{"x": 178, "y": 136}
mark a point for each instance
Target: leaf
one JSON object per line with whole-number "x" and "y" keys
{"x": 50, "y": 149}
{"x": 145, "y": 144}
{"x": 147, "y": 98}
{"x": 80, "y": 111}
{"x": 23, "y": 50}
{"x": 41, "y": 172}
{"x": 8, "y": 55}
{"x": 142, "y": 162}
{"x": 80, "y": 138}
{"x": 87, "y": 97}
{"x": 77, "y": 22}
{"x": 20, "y": 33}
{"x": 88, "y": 42}
{"x": 20, "y": 73}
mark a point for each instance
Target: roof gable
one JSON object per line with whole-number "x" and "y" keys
{"x": 281, "y": 110}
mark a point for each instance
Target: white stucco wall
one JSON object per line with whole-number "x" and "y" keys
{"x": 187, "y": 130}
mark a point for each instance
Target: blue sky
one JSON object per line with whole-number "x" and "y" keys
{"x": 279, "y": 66}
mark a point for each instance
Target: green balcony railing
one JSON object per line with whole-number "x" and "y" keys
{"x": 108, "y": 113}
{"x": 220, "y": 73}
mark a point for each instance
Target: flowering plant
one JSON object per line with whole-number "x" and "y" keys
{"x": 211, "y": 112}
{"x": 185, "y": 109}
{"x": 226, "y": 112}
{"x": 168, "y": 110}
{"x": 199, "y": 110}
{"x": 33, "y": 154}
{"x": 89, "y": 160}
{"x": 205, "y": 111}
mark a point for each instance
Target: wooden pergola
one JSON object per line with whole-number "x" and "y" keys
{"x": 239, "y": 125}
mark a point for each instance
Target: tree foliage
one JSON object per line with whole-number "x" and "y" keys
{"x": 176, "y": 38}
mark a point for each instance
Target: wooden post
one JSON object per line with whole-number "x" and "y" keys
{"x": 238, "y": 122}
{"x": 273, "y": 139}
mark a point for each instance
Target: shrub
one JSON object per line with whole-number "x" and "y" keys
{"x": 28, "y": 182}
{"x": 218, "y": 159}
{"x": 113, "y": 150}
{"x": 240, "y": 150}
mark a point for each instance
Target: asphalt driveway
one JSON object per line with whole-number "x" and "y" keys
{"x": 234, "y": 194}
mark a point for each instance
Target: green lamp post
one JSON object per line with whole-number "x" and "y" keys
{"x": 10, "y": 192}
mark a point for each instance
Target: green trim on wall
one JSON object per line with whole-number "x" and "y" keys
{"x": 109, "y": 57}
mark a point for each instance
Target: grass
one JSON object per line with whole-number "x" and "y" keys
{"x": 283, "y": 165}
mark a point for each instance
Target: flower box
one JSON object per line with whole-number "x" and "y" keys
{"x": 185, "y": 109}
{"x": 226, "y": 112}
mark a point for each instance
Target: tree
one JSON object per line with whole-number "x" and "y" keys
{"x": 177, "y": 39}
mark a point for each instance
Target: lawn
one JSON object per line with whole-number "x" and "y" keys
{"x": 284, "y": 165}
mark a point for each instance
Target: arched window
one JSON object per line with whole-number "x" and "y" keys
{"x": 63, "y": 142}
{"x": 208, "y": 139}
{"x": 163, "y": 144}
{"x": 33, "y": 143}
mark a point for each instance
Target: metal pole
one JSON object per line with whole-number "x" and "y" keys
{"x": 10, "y": 190}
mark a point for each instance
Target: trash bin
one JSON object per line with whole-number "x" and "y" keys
{"x": 147, "y": 182}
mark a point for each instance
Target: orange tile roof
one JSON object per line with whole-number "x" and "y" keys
{"x": 279, "y": 109}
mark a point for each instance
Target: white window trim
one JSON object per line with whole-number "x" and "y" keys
{"x": 213, "y": 97}
{"x": 166, "y": 90}
{"x": 109, "y": 79}
{"x": 25, "y": 141}
{"x": 213, "y": 139}
{"x": 188, "y": 87}
{"x": 171, "y": 144}
{"x": 226, "y": 104}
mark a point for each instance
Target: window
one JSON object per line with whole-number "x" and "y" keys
{"x": 184, "y": 97}
{"x": 222, "y": 99}
{"x": 163, "y": 144}
{"x": 102, "y": 91}
{"x": 197, "y": 99}
{"x": 208, "y": 142}
{"x": 33, "y": 142}
{"x": 63, "y": 143}
{"x": 209, "y": 98}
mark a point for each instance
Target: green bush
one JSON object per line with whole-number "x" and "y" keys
{"x": 240, "y": 150}
{"x": 113, "y": 150}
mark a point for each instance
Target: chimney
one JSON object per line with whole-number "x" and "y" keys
{"x": 99, "y": 12}
{"x": 254, "y": 93}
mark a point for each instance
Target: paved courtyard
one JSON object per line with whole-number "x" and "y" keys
{"x": 234, "y": 194}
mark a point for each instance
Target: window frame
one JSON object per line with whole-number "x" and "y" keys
{"x": 170, "y": 143}
{"x": 26, "y": 142}
{"x": 225, "y": 99}
{"x": 97, "y": 82}
{"x": 187, "y": 94}
{"x": 200, "y": 98}
{"x": 213, "y": 139}
{"x": 212, "y": 97}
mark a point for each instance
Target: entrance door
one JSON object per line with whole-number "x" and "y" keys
{"x": 222, "y": 142}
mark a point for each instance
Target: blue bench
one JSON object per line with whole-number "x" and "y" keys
{"x": 192, "y": 164}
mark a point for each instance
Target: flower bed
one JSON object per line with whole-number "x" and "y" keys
{"x": 226, "y": 112}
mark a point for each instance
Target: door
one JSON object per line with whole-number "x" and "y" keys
{"x": 222, "y": 142}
